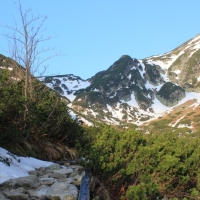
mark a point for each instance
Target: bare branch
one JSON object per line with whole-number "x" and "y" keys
{"x": 25, "y": 44}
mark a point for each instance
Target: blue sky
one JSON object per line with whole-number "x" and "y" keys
{"x": 94, "y": 34}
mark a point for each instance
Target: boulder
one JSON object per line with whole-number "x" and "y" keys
{"x": 26, "y": 182}
{"x": 47, "y": 181}
{"x": 54, "y": 183}
{"x": 62, "y": 191}
{"x": 53, "y": 167}
{"x": 17, "y": 194}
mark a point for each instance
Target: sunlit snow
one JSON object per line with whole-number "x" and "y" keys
{"x": 177, "y": 121}
{"x": 143, "y": 67}
{"x": 19, "y": 166}
{"x": 185, "y": 125}
{"x": 115, "y": 112}
{"x": 194, "y": 39}
{"x": 72, "y": 85}
{"x": 177, "y": 71}
{"x": 132, "y": 102}
{"x": 170, "y": 60}
{"x": 129, "y": 76}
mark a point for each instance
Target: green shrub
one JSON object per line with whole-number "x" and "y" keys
{"x": 147, "y": 164}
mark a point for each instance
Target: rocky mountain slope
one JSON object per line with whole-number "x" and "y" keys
{"x": 183, "y": 65}
{"x": 133, "y": 91}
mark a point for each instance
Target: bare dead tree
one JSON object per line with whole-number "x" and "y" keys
{"x": 24, "y": 43}
{"x": 24, "y": 46}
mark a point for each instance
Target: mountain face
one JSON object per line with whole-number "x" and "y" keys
{"x": 131, "y": 90}
{"x": 183, "y": 65}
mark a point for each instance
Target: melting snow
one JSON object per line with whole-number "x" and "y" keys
{"x": 133, "y": 67}
{"x": 194, "y": 39}
{"x": 113, "y": 95}
{"x": 72, "y": 86}
{"x": 150, "y": 62}
{"x": 72, "y": 114}
{"x": 115, "y": 112}
{"x": 177, "y": 71}
{"x": 95, "y": 90}
{"x": 143, "y": 67}
{"x": 173, "y": 125}
{"x": 196, "y": 47}
{"x": 18, "y": 169}
{"x": 194, "y": 105}
{"x": 132, "y": 102}
{"x": 150, "y": 86}
{"x": 168, "y": 63}
{"x": 185, "y": 125}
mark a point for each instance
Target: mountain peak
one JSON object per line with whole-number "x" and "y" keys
{"x": 134, "y": 91}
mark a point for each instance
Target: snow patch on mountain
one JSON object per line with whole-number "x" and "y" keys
{"x": 150, "y": 86}
{"x": 194, "y": 39}
{"x": 75, "y": 116}
{"x": 177, "y": 71}
{"x": 68, "y": 83}
{"x": 189, "y": 96}
{"x": 132, "y": 102}
{"x": 168, "y": 62}
{"x": 178, "y": 120}
{"x": 143, "y": 67}
{"x": 185, "y": 125}
{"x": 117, "y": 112}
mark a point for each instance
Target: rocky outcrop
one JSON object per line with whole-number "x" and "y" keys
{"x": 153, "y": 74}
{"x": 53, "y": 182}
{"x": 58, "y": 90}
{"x": 170, "y": 94}
{"x": 142, "y": 100}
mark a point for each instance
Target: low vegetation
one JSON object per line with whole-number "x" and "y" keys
{"x": 30, "y": 125}
{"x": 138, "y": 166}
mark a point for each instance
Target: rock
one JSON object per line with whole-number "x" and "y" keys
{"x": 2, "y": 197}
{"x": 39, "y": 173}
{"x": 67, "y": 164}
{"x": 77, "y": 180}
{"x": 17, "y": 194}
{"x": 47, "y": 181}
{"x": 54, "y": 182}
{"x": 76, "y": 167}
{"x": 41, "y": 169}
{"x": 57, "y": 175}
{"x": 40, "y": 192}
{"x": 64, "y": 171}
{"x": 170, "y": 94}
{"x": 53, "y": 167}
{"x": 26, "y": 182}
{"x": 62, "y": 191}
{"x": 45, "y": 176}
{"x": 33, "y": 173}
{"x": 73, "y": 174}
{"x": 66, "y": 180}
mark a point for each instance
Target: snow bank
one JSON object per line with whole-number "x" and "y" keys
{"x": 19, "y": 166}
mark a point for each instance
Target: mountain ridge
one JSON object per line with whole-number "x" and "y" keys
{"x": 130, "y": 90}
